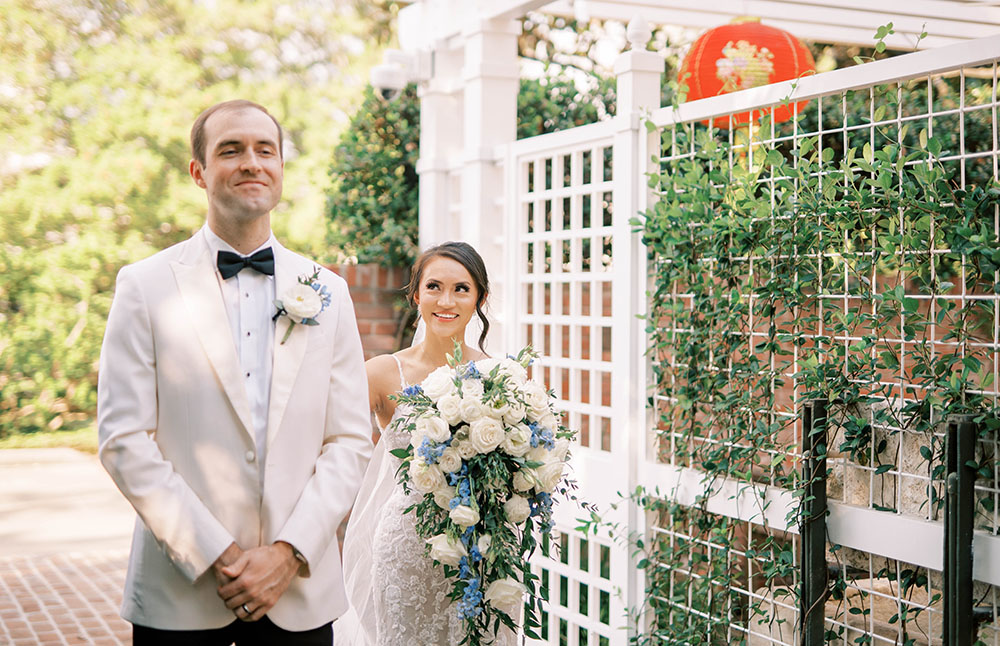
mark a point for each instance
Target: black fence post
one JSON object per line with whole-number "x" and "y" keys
{"x": 959, "y": 506}
{"x": 813, "y": 524}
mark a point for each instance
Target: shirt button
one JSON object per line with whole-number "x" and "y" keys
{"x": 248, "y": 374}
{"x": 250, "y": 456}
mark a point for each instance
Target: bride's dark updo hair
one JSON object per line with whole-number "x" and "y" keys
{"x": 464, "y": 254}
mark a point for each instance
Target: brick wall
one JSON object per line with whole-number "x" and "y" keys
{"x": 376, "y": 292}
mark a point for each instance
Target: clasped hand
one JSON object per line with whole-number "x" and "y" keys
{"x": 251, "y": 581}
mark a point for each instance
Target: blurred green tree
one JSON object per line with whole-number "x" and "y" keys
{"x": 96, "y": 101}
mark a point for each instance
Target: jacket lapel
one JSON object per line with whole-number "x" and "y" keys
{"x": 288, "y": 355}
{"x": 199, "y": 287}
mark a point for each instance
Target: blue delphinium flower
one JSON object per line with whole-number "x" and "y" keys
{"x": 431, "y": 451}
{"x": 411, "y": 391}
{"x": 470, "y": 605}
{"x": 541, "y": 436}
{"x": 540, "y": 504}
{"x": 472, "y": 372}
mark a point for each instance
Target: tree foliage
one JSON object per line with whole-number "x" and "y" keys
{"x": 373, "y": 198}
{"x": 96, "y": 100}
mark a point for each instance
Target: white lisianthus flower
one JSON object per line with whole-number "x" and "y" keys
{"x": 518, "y": 441}
{"x": 447, "y": 551}
{"x": 484, "y": 543}
{"x": 450, "y": 408}
{"x": 524, "y": 480}
{"x": 424, "y": 477}
{"x": 466, "y": 450}
{"x": 433, "y": 428}
{"x": 450, "y": 460}
{"x": 514, "y": 369}
{"x": 538, "y": 454}
{"x": 516, "y": 412}
{"x": 443, "y": 496}
{"x": 472, "y": 409}
{"x": 439, "y": 383}
{"x": 301, "y": 302}
{"x": 517, "y": 509}
{"x": 486, "y": 434}
{"x": 497, "y": 409}
{"x": 464, "y": 516}
{"x": 486, "y": 366}
{"x": 505, "y": 595}
{"x": 549, "y": 476}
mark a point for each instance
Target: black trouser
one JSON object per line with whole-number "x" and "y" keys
{"x": 242, "y": 633}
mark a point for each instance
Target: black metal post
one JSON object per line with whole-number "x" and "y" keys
{"x": 813, "y": 524}
{"x": 959, "y": 506}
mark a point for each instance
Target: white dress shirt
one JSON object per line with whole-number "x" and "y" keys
{"x": 249, "y": 298}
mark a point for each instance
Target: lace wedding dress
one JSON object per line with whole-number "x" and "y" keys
{"x": 399, "y": 597}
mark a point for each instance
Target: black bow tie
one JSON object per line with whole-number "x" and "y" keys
{"x": 230, "y": 263}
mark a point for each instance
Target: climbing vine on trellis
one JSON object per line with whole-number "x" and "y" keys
{"x": 790, "y": 271}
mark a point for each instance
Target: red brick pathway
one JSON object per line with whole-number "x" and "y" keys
{"x": 63, "y": 599}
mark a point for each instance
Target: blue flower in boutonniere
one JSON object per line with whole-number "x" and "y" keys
{"x": 302, "y": 302}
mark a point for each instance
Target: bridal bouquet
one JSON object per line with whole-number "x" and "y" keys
{"x": 488, "y": 453}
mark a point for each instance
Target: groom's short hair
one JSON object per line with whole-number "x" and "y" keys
{"x": 198, "y": 129}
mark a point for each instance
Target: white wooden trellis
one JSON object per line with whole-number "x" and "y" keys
{"x": 566, "y": 198}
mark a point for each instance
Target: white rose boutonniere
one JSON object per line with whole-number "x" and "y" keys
{"x": 302, "y": 302}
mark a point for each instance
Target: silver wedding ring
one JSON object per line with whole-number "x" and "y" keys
{"x": 245, "y": 609}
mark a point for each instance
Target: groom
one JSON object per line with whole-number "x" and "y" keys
{"x": 241, "y": 447}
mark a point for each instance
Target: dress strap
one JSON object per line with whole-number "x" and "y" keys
{"x": 402, "y": 379}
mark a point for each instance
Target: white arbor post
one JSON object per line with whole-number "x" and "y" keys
{"x": 440, "y": 143}
{"x": 638, "y": 72}
{"x": 490, "y": 121}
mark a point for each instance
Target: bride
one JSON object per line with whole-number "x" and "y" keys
{"x": 399, "y": 597}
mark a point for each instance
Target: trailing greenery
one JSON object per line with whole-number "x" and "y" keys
{"x": 803, "y": 270}
{"x": 372, "y": 202}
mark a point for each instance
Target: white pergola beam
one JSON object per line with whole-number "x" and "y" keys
{"x": 849, "y": 22}
{"x": 945, "y": 21}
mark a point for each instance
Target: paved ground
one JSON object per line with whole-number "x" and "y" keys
{"x": 64, "y": 536}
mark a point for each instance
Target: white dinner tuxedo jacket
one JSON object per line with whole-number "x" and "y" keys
{"x": 176, "y": 435}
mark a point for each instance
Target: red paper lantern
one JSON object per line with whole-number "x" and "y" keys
{"x": 742, "y": 55}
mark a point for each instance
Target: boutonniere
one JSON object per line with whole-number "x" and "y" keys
{"x": 302, "y": 302}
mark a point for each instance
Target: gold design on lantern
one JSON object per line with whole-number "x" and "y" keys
{"x": 743, "y": 66}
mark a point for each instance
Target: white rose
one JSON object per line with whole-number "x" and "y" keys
{"x": 450, "y": 408}
{"x": 439, "y": 383}
{"x": 486, "y": 434}
{"x": 549, "y": 421}
{"x": 472, "y": 389}
{"x": 517, "y": 509}
{"x": 447, "y": 551}
{"x": 472, "y": 409}
{"x": 515, "y": 412}
{"x": 464, "y": 516}
{"x": 549, "y": 476}
{"x": 450, "y": 460}
{"x": 524, "y": 480}
{"x": 424, "y": 477}
{"x": 536, "y": 400}
{"x": 443, "y": 496}
{"x": 560, "y": 451}
{"x": 514, "y": 369}
{"x": 505, "y": 594}
{"x": 518, "y": 441}
{"x": 466, "y": 450}
{"x": 433, "y": 427}
{"x": 301, "y": 302}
